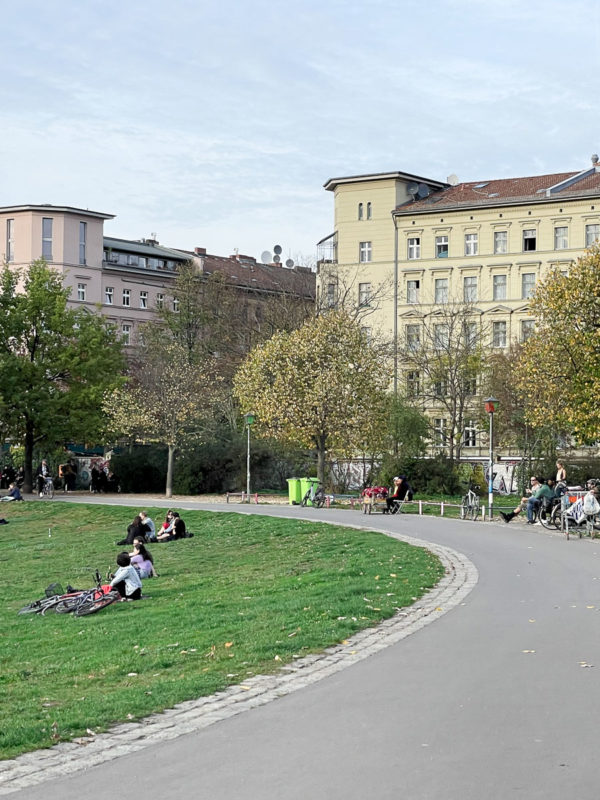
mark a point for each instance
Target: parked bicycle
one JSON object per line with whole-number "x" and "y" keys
{"x": 470, "y": 505}
{"x": 48, "y": 488}
{"x": 316, "y": 497}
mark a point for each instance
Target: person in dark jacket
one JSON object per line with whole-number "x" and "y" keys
{"x": 134, "y": 531}
{"x": 401, "y": 491}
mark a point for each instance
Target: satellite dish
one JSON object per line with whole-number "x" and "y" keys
{"x": 265, "y": 257}
{"x": 412, "y": 188}
{"x": 423, "y": 190}
{"x": 276, "y": 259}
{"x": 452, "y": 179}
{"x": 277, "y": 249}
{"x": 289, "y": 263}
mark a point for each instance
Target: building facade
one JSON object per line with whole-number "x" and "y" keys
{"x": 419, "y": 245}
{"x": 128, "y": 280}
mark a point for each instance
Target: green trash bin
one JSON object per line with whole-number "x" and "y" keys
{"x": 294, "y": 491}
{"x": 305, "y": 484}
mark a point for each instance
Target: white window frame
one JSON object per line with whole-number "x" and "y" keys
{"x": 160, "y": 300}
{"x": 527, "y": 285}
{"x": 414, "y": 248}
{"x": 470, "y": 286}
{"x": 143, "y": 299}
{"x": 440, "y": 427}
{"x": 10, "y": 240}
{"x": 82, "y": 242}
{"x": 592, "y": 234}
{"x": 470, "y": 433}
{"x": 561, "y": 237}
{"x": 470, "y": 333}
{"x": 47, "y": 234}
{"x": 365, "y": 252}
{"x": 413, "y": 383}
{"x": 499, "y": 287}
{"x": 176, "y": 305}
{"x": 412, "y": 334}
{"x": 109, "y": 295}
{"x": 441, "y": 290}
{"x": 500, "y": 241}
{"x": 471, "y": 244}
{"x": 529, "y": 236}
{"x": 441, "y": 246}
{"x": 126, "y": 333}
{"x": 82, "y": 291}
{"x": 499, "y": 334}
{"x": 527, "y": 329}
{"x": 441, "y": 336}
{"x": 413, "y": 289}
{"x": 369, "y": 210}
{"x": 364, "y": 294}
{"x": 126, "y": 298}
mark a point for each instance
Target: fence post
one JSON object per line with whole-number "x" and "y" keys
{"x": 483, "y": 513}
{"x": 243, "y": 497}
{"x": 420, "y": 507}
{"x": 442, "y": 509}
{"x": 227, "y": 496}
{"x": 255, "y": 498}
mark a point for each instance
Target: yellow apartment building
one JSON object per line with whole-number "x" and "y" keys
{"x": 404, "y": 246}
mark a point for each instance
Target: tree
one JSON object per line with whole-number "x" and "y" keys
{"x": 168, "y": 399}
{"x": 444, "y": 359}
{"x": 559, "y": 370}
{"x": 321, "y": 386}
{"x": 56, "y": 362}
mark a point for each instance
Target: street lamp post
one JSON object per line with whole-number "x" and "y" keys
{"x": 491, "y": 404}
{"x": 249, "y": 419}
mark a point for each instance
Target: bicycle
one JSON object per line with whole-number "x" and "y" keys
{"x": 316, "y": 497}
{"x": 470, "y": 505}
{"x": 80, "y": 602}
{"x": 48, "y": 488}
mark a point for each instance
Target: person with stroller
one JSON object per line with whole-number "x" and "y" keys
{"x": 401, "y": 491}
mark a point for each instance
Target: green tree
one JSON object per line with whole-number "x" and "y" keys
{"x": 56, "y": 362}
{"x": 321, "y": 386}
{"x": 559, "y": 370}
{"x": 167, "y": 399}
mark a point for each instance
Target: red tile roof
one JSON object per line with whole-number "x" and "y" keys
{"x": 504, "y": 191}
{"x": 247, "y": 273}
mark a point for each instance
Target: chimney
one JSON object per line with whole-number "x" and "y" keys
{"x": 200, "y": 251}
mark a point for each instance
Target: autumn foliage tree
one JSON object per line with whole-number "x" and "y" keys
{"x": 321, "y": 386}
{"x": 559, "y": 368}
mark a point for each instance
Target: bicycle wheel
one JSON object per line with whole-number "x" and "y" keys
{"x": 68, "y": 604}
{"x": 319, "y": 498}
{"x": 305, "y": 499}
{"x": 464, "y": 507}
{"x": 33, "y": 608}
{"x": 49, "y": 490}
{"x": 475, "y": 508}
{"x": 91, "y": 606}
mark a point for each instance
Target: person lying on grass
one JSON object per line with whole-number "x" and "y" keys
{"x": 126, "y": 579}
{"x": 142, "y": 560}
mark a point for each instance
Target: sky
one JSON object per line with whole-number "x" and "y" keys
{"x": 216, "y": 124}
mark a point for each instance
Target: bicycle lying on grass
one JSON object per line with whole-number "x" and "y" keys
{"x": 80, "y": 602}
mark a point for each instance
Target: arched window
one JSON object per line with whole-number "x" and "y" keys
{"x": 360, "y": 210}
{"x": 368, "y": 210}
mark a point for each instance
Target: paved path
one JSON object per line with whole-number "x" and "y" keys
{"x": 498, "y": 698}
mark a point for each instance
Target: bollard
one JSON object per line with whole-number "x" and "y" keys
{"x": 441, "y": 509}
{"x": 420, "y": 508}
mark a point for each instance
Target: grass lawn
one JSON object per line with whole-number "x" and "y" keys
{"x": 244, "y": 596}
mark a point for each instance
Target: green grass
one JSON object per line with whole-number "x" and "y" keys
{"x": 245, "y": 595}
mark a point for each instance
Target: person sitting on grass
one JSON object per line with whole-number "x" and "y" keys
{"x": 538, "y": 491}
{"x": 148, "y": 526}
{"x": 126, "y": 579}
{"x": 136, "y": 529}
{"x": 142, "y": 560}
{"x": 13, "y": 493}
{"x": 175, "y": 530}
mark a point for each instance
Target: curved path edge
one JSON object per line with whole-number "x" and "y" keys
{"x": 193, "y": 715}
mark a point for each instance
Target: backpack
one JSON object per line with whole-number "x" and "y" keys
{"x": 591, "y": 507}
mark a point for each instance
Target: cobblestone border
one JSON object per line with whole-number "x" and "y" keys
{"x": 65, "y": 758}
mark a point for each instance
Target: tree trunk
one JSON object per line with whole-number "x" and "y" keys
{"x": 169, "y": 488}
{"x": 28, "y": 464}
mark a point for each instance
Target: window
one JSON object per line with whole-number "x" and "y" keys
{"x": 441, "y": 290}
{"x": 527, "y": 329}
{"x": 527, "y": 284}
{"x": 126, "y": 297}
{"x": 470, "y": 385}
{"x": 471, "y": 244}
{"x": 441, "y": 247}
{"x": 592, "y": 234}
{"x": 440, "y": 388}
{"x": 500, "y": 241}
{"x": 470, "y": 433}
{"x": 360, "y": 211}
{"x": 160, "y": 300}
{"x": 413, "y": 383}
{"x": 561, "y": 238}
{"x": 470, "y": 333}
{"x": 143, "y": 299}
{"x": 109, "y": 295}
{"x": 10, "y": 240}
{"x": 132, "y": 261}
{"x": 176, "y": 305}
{"x": 470, "y": 289}
{"x": 414, "y": 247}
{"x": 529, "y": 240}
{"x": 82, "y": 242}
{"x": 366, "y": 332}
{"x": 439, "y": 432}
{"x": 330, "y": 295}
{"x": 126, "y": 334}
{"x": 441, "y": 336}
{"x": 499, "y": 287}
{"x": 413, "y": 337}
{"x": 369, "y": 211}
{"x": 499, "y": 334}
{"x": 412, "y": 291}
{"x": 364, "y": 294}
{"x": 47, "y": 238}
{"x": 364, "y": 254}
{"x": 81, "y": 291}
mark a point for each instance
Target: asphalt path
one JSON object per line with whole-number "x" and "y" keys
{"x": 496, "y": 699}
